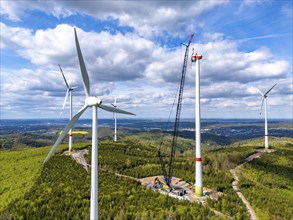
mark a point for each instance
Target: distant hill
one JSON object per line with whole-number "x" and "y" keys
{"x": 43, "y": 132}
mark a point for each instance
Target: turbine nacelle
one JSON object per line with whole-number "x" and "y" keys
{"x": 264, "y": 96}
{"x": 72, "y": 88}
{"x": 92, "y": 101}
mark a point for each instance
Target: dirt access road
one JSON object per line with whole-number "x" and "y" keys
{"x": 236, "y": 180}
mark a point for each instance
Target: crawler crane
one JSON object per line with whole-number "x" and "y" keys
{"x": 168, "y": 176}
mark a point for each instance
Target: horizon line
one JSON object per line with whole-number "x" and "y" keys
{"x": 110, "y": 118}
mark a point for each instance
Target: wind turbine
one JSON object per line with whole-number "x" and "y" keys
{"x": 264, "y": 100}
{"x": 198, "y": 166}
{"x": 69, "y": 91}
{"x": 115, "y": 119}
{"x": 95, "y": 103}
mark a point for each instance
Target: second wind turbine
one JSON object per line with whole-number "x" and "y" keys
{"x": 115, "y": 119}
{"x": 264, "y": 101}
{"x": 69, "y": 91}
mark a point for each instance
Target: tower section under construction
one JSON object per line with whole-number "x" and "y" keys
{"x": 198, "y": 159}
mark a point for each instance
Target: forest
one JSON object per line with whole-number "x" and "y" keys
{"x": 65, "y": 195}
{"x": 60, "y": 188}
{"x": 267, "y": 182}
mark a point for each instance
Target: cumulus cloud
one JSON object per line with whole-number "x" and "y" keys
{"x": 150, "y": 72}
{"x": 15, "y": 10}
{"x": 108, "y": 57}
{"x": 43, "y": 47}
{"x": 153, "y": 18}
{"x": 134, "y": 66}
{"x": 40, "y": 91}
{"x": 14, "y": 37}
{"x": 223, "y": 61}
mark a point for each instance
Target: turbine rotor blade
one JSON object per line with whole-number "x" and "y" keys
{"x": 114, "y": 109}
{"x": 261, "y": 106}
{"x": 270, "y": 89}
{"x": 65, "y": 131}
{"x": 115, "y": 101}
{"x": 64, "y": 103}
{"x": 259, "y": 91}
{"x": 83, "y": 70}
{"x": 63, "y": 76}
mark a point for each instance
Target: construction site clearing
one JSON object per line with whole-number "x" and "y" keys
{"x": 180, "y": 189}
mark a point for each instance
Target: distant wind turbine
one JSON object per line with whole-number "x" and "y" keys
{"x": 115, "y": 119}
{"x": 94, "y": 102}
{"x": 69, "y": 91}
{"x": 264, "y": 101}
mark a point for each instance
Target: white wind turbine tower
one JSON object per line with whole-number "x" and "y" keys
{"x": 198, "y": 166}
{"x": 264, "y": 101}
{"x": 115, "y": 119}
{"x": 69, "y": 91}
{"x": 94, "y": 102}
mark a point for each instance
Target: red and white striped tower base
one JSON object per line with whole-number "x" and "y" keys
{"x": 198, "y": 167}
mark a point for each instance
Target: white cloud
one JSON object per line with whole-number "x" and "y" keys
{"x": 213, "y": 36}
{"x": 118, "y": 57}
{"x": 142, "y": 73}
{"x": 148, "y": 19}
{"x": 11, "y": 9}
{"x": 287, "y": 10}
{"x": 251, "y": 3}
{"x": 223, "y": 61}
{"x": 175, "y": 17}
{"x": 15, "y": 10}
{"x": 264, "y": 70}
{"x": 14, "y": 37}
{"x": 40, "y": 91}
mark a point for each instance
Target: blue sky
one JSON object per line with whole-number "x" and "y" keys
{"x": 133, "y": 50}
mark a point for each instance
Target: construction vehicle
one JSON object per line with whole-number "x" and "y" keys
{"x": 157, "y": 183}
{"x": 160, "y": 184}
{"x": 168, "y": 177}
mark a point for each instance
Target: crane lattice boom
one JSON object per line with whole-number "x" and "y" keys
{"x": 177, "y": 120}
